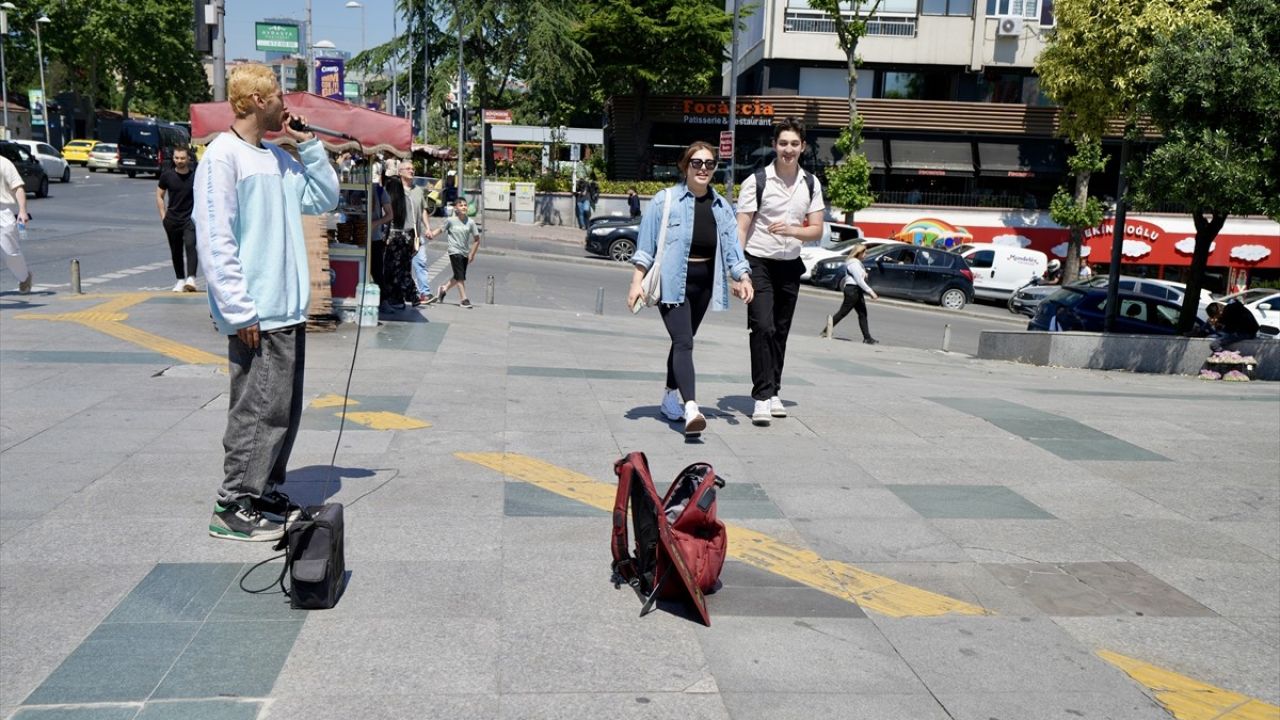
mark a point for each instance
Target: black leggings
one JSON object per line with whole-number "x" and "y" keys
{"x": 853, "y": 300}
{"x": 682, "y": 323}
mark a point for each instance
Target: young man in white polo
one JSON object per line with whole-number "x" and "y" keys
{"x": 779, "y": 209}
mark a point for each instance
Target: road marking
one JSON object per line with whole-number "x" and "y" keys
{"x": 870, "y": 591}
{"x": 374, "y": 420}
{"x": 105, "y": 278}
{"x": 108, "y": 318}
{"x": 1189, "y": 699}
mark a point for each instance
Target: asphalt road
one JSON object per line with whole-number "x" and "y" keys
{"x": 110, "y": 224}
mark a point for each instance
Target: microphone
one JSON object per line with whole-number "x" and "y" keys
{"x": 299, "y": 126}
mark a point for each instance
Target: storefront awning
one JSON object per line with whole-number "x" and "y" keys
{"x": 930, "y": 157}
{"x": 374, "y": 131}
{"x": 1020, "y": 160}
{"x": 874, "y": 150}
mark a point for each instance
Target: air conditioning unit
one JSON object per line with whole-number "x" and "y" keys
{"x": 1009, "y": 26}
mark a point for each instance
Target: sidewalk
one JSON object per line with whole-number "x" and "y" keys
{"x": 932, "y": 536}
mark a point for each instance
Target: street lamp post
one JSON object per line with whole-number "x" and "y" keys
{"x": 353, "y": 5}
{"x": 394, "y": 105}
{"x": 4, "y": 73}
{"x": 44, "y": 96}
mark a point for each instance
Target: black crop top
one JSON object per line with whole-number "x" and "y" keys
{"x": 703, "y": 245}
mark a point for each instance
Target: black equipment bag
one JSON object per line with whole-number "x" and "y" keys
{"x": 313, "y": 560}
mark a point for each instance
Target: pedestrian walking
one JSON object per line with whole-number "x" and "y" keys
{"x": 701, "y": 264}
{"x": 173, "y": 200}
{"x": 464, "y": 241}
{"x": 13, "y": 211}
{"x": 855, "y": 289}
{"x": 248, "y": 201}
{"x": 406, "y": 228}
{"x": 780, "y": 207}
{"x": 378, "y": 231}
{"x": 633, "y": 202}
{"x": 581, "y": 204}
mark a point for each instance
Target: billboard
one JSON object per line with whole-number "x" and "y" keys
{"x": 274, "y": 37}
{"x": 36, "y": 97}
{"x": 329, "y": 78}
{"x": 351, "y": 90}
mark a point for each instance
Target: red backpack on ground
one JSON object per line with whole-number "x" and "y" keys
{"x": 676, "y": 535}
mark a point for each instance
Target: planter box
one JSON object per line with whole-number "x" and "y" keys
{"x": 1136, "y": 353}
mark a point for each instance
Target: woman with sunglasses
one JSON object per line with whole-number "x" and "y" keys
{"x": 702, "y": 263}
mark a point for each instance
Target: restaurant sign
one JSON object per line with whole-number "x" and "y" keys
{"x": 713, "y": 112}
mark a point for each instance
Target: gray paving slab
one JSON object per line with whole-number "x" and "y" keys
{"x": 1228, "y": 588}
{"x": 337, "y": 704}
{"x": 1032, "y": 705}
{"x": 640, "y": 706}
{"x": 876, "y": 540}
{"x": 997, "y": 541}
{"x": 1093, "y": 589}
{"x": 832, "y": 704}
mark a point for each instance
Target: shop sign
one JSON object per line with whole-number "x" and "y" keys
{"x": 1140, "y": 230}
{"x": 726, "y": 143}
{"x": 498, "y": 117}
{"x": 752, "y": 112}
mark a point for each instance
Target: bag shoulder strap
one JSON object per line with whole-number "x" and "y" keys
{"x": 761, "y": 179}
{"x": 662, "y": 233}
{"x": 632, "y": 468}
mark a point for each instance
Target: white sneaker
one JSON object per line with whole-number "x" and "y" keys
{"x": 180, "y": 286}
{"x": 761, "y": 415}
{"x": 671, "y": 408}
{"x": 776, "y": 408}
{"x": 189, "y": 285}
{"x": 694, "y": 422}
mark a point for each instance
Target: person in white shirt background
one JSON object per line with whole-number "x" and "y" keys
{"x": 13, "y": 210}
{"x": 789, "y": 212}
{"x": 855, "y": 288}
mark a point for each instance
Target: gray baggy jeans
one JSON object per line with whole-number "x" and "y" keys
{"x": 265, "y": 411}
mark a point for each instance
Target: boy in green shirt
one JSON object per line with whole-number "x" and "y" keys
{"x": 464, "y": 241}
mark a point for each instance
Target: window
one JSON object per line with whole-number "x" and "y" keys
{"x": 960, "y": 8}
{"x": 1166, "y": 316}
{"x": 1025, "y": 8}
{"x": 1155, "y": 291}
{"x": 982, "y": 259}
{"x": 1046, "y": 13}
{"x": 903, "y": 85}
{"x": 47, "y": 150}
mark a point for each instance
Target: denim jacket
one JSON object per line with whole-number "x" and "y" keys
{"x": 675, "y": 261}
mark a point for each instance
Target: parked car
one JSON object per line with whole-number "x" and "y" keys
{"x": 77, "y": 151}
{"x": 829, "y": 269}
{"x": 147, "y": 145}
{"x": 999, "y": 270}
{"x": 50, "y": 159}
{"x": 613, "y": 237}
{"x": 104, "y": 156}
{"x": 1264, "y": 303}
{"x": 1027, "y": 298}
{"x": 919, "y": 273}
{"x": 1085, "y": 308}
{"x": 33, "y": 175}
{"x": 836, "y": 241}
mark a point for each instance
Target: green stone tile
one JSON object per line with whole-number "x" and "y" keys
{"x": 988, "y": 408}
{"x": 1227, "y": 397}
{"x": 200, "y": 710}
{"x": 83, "y": 357}
{"x": 641, "y": 375}
{"x": 80, "y": 713}
{"x": 118, "y": 662}
{"x": 1108, "y": 448}
{"x": 231, "y": 659}
{"x": 745, "y": 501}
{"x": 176, "y": 592}
{"x": 1048, "y": 427}
{"x": 848, "y": 367}
{"x": 238, "y": 604}
{"x": 953, "y": 502}
{"x": 524, "y": 500}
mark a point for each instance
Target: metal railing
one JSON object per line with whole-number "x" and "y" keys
{"x": 970, "y": 199}
{"x": 802, "y": 21}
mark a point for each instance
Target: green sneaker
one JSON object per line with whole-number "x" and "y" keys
{"x": 241, "y": 521}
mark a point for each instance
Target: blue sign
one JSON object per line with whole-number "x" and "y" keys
{"x": 330, "y": 75}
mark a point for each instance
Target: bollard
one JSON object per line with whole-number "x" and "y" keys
{"x": 946, "y": 338}
{"x": 75, "y": 278}
{"x": 488, "y": 291}
{"x": 599, "y": 301}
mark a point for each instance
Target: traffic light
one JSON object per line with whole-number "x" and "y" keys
{"x": 453, "y": 119}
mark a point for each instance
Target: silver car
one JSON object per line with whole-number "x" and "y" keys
{"x": 1027, "y": 298}
{"x": 104, "y": 156}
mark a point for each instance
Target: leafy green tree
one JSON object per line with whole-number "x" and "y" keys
{"x": 849, "y": 182}
{"x": 1094, "y": 69}
{"x": 302, "y": 75}
{"x": 1214, "y": 93}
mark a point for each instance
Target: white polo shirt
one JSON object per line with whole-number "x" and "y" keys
{"x": 10, "y": 185}
{"x": 780, "y": 203}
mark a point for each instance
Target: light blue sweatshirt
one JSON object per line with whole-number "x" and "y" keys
{"x": 248, "y": 211}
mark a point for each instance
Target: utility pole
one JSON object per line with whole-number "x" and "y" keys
{"x": 395, "y": 88}
{"x": 426, "y": 65}
{"x": 462, "y": 103}
{"x": 219, "y": 53}
{"x": 733, "y": 104}
{"x": 311, "y": 52}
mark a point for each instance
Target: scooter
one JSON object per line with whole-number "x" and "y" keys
{"x": 1035, "y": 281}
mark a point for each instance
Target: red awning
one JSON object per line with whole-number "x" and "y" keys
{"x": 376, "y": 131}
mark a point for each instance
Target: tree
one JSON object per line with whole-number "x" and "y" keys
{"x": 301, "y": 75}
{"x": 1094, "y": 69}
{"x": 849, "y": 182}
{"x": 1214, "y": 93}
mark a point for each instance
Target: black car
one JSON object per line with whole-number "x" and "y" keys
{"x": 33, "y": 175}
{"x": 915, "y": 273}
{"x": 147, "y": 145}
{"x": 1077, "y": 307}
{"x": 613, "y": 237}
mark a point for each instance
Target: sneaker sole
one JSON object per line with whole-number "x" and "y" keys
{"x": 778, "y": 413}
{"x": 695, "y": 426}
{"x": 225, "y": 534}
{"x": 761, "y": 420}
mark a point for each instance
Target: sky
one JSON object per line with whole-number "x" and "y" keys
{"x": 333, "y": 22}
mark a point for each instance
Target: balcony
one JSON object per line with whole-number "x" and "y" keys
{"x": 816, "y": 21}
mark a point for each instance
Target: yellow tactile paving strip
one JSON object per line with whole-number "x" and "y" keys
{"x": 1188, "y": 699}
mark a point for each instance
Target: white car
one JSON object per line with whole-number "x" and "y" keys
{"x": 50, "y": 159}
{"x": 836, "y": 242}
{"x": 1264, "y": 303}
{"x": 104, "y": 156}
{"x": 999, "y": 270}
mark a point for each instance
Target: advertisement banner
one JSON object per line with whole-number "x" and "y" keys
{"x": 272, "y": 37}
{"x": 351, "y": 91}
{"x": 36, "y": 97}
{"x": 330, "y": 76}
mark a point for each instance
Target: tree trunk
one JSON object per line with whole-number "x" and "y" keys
{"x": 1071, "y": 266}
{"x": 1207, "y": 230}
{"x": 91, "y": 125}
{"x": 124, "y": 102}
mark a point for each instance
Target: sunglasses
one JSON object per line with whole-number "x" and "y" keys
{"x": 699, "y": 164}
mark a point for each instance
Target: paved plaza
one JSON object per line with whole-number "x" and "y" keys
{"x": 927, "y": 536}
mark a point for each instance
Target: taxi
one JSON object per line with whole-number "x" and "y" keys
{"x": 77, "y": 151}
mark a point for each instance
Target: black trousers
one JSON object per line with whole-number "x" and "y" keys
{"x": 397, "y": 285}
{"x": 682, "y": 323}
{"x": 854, "y": 299}
{"x": 777, "y": 288}
{"x": 182, "y": 240}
